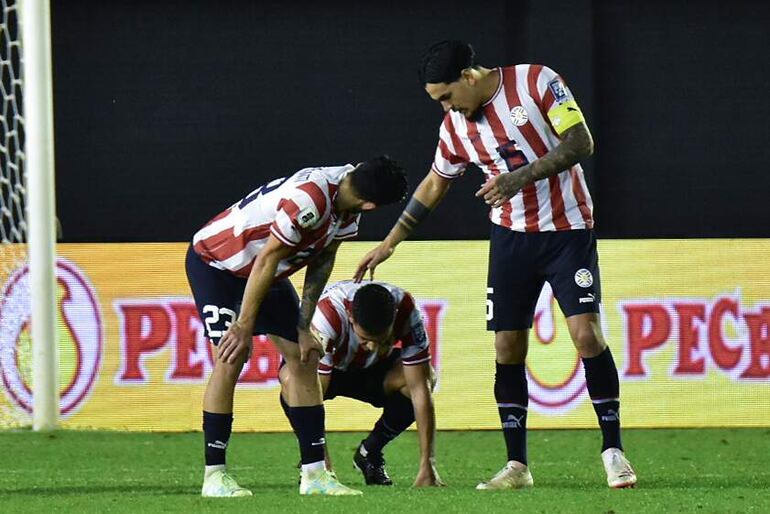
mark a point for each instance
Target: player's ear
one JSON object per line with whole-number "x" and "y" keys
{"x": 468, "y": 76}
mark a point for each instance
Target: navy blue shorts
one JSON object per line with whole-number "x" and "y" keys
{"x": 366, "y": 384}
{"x": 218, "y": 295}
{"x": 521, "y": 262}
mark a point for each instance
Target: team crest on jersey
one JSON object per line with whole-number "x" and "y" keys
{"x": 559, "y": 90}
{"x": 519, "y": 116}
{"x": 307, "y": 217}
{"x": 584, "y": 278}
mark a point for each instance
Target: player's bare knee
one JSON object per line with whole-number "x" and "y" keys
{"x": 587, "y": 342}
{"x": 511, "y": 347}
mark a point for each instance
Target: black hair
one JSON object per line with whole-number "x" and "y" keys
{"x": 374, "y": 308}
{"x": 380, "y": 180}
{"x": 444, "y": 62}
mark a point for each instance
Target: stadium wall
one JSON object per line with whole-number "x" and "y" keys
{"x": 169, "y": 111}
{"x": 693, "y": 349}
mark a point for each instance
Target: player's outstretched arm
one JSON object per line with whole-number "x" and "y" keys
{"x": 419, "y": 383}
{"x": 316, "y": 277}
{"x": 425, "y": 198}
{"x": 576, "y": 144}
{"x": 238, "y": 337}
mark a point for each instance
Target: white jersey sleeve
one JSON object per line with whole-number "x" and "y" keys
{"x": 448, "y": 161}
{"x": 296, "y": 216}
{"x": 415, "y": 346}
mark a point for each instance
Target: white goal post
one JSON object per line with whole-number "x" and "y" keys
{"x": 35, "y": 20}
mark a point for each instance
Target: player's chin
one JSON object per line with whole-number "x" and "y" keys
{"x": 472, "y": 115}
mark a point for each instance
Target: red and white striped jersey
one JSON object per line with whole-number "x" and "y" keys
{"x": 343, "y": 349}
{"x": 514, "y": 129}
{"x": 298, "y": 210}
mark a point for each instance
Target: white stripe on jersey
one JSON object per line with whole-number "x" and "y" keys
{"x": 298, "y": 210}
{"x": 343, "y": 348}
{"x": 553, "y": 203}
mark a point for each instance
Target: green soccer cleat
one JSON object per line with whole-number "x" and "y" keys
{"x": 324, "y": 482}
{"x": 221, "y": 485}
{"x": 620, "y": 474}
{"x": 514, "y": 475}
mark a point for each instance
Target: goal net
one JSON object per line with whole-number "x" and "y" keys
{"x": 13, "y": 225}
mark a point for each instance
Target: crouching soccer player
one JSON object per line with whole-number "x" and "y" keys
{"x": 237, "y": 268}
{"x": 358, "y": 325}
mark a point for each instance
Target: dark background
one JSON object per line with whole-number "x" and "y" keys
{"x": 169, "y": 111}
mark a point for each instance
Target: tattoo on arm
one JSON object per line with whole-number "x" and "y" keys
{"x": 576, "y": 145}
{"x": 316, "y": 277}
{"x": 414, "y": 214}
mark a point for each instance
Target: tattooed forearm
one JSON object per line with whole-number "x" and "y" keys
{"x": 316, "y": 277}
{"x": 577, "y": 144}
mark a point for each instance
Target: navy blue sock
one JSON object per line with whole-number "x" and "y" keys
{"x": 285, "y": 407}
{"x": 308, "y": 423}
{"x": 397, "y": 416}
{"x": 216, "y": 435}
{"x": 604, "y": 390}
{"x": 512, "y": 398}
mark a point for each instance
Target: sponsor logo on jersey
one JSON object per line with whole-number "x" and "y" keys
{"x": 559, "y": 90}
{"x": 519, "y": 116}
{"x": 79, "y": 334}
{"x": 584, "y": 279}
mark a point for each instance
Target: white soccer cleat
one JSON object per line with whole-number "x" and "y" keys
{"x": 221, "y": 485}
{"x": 514, "y": 475}
{"x": 620, "y": 474}
{"x": 323, "y": 482}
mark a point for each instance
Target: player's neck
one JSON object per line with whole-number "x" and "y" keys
{"x": 489, "y": 82}
{"x": 344, "y": 200}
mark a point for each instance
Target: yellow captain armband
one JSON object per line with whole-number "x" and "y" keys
{"x": 564, "y": 116}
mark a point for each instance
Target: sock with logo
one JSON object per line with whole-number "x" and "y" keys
{"x": 216, "y": 434}
{"x": 397, "y": 416}
{"x": 604, "y": 390}
{"x": 512, "y": 398}
{"x": 308, "y": 423}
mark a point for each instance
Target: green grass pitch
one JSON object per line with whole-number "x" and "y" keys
{"x": 706, "y": 470}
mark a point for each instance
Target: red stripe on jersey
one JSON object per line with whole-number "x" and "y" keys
{"x": 290, "y": 208}
{"x": 529, "y": 192}
{"x": 580, "y": 196}
{"x": 403, "y": 312}
{"x": 316, "y": 194}
{"x": 498, "y": 130}
{"x": 532, "y": 76}
{"x": 459, "y": 148}
{"x": 448, "y": 155}
{"x": 559, "y": 217}
{"x": 548, "y": 100}
{"x": 233, "y": 245}
{"x": 545, "y": 103}
{"x": 330, "y": 313}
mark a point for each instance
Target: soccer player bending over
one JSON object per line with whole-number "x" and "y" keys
{"x": 523, "y": 128}
{"x": 237, "y": 267}
{"x": 358, "y": 325}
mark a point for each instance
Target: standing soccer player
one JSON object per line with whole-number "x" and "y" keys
{"x": 521, "y": 125}
{"x": 237, "y": 267}
{"x": 358, "y": 324}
